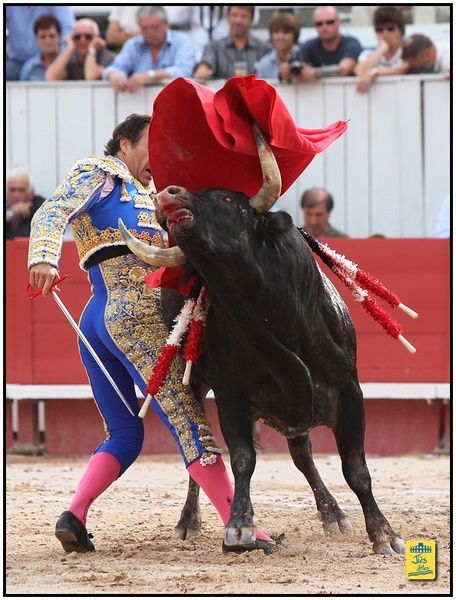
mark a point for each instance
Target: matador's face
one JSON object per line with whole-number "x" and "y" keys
{"x": 136, "y": 157}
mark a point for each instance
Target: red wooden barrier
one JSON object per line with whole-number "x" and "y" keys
{"x": 41, "y": 348}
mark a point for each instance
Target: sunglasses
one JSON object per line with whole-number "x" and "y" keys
{"x": 385, "y": 28}
{"x": 321, "y": 23}
{"x": 87, "y": 36}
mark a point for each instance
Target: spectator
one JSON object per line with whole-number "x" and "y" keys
{"x": 157, "y": 53}
{"x": 422, "y": 55}
{"x": 22, "y": 43}
{"x": 203, "y": 23}
{"x": 443, "y": 228}
{"x": 329, "y": 54}
{"x": 84, "y": 57}
{"x": 122, "y": 25}
{"x": 284, "y": 29}
{"x": 317, "y": 204}
{"x": 47, "y": 31}
{"x": 236, "y": 54}
{"x": 386, "y": 58}
{"x": 21, "y": 204}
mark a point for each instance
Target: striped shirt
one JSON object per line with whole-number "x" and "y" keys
{"x": 221, "y": 56}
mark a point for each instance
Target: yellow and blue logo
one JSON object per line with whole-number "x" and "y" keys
{"x": 420, "y": 559}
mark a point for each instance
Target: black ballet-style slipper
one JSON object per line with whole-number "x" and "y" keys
{"x": 267, "y": 547}
{"x": 72, "y": 534}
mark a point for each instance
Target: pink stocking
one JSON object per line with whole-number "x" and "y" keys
{"x": 214, "y": 480}
{"x": 103, "y": 468}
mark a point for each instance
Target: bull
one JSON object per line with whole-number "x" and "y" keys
{"x": 279, "y": 343}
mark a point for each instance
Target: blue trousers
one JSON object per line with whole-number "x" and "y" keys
{"x": 122, "y": 321}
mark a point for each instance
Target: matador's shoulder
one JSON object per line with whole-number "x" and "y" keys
{"x": 107, "y": 164}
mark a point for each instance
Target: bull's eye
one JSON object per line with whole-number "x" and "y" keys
{"x": 228, "y": 199}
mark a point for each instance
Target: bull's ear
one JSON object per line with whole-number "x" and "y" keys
{"x": 279, "y": 222}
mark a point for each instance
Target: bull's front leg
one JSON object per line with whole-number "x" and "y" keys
{"x": 189, "y": 525}
{"x": 237, "y": 428}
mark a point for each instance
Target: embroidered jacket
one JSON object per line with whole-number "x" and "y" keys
{"x": 92, "y": 197}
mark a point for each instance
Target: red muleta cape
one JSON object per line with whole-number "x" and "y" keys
{"x": 199, "y": 138}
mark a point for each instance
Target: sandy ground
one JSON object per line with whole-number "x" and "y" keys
{"x": 133, "y": 526}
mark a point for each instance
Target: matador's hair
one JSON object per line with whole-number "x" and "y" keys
{"x": 132, "y": 129}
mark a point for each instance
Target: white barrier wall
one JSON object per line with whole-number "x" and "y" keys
{"x": 388, "y": 174}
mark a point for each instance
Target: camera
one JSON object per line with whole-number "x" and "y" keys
{"x": 295, "y": 66}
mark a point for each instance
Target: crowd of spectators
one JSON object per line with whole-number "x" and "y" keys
{"x": 146, "y": 44}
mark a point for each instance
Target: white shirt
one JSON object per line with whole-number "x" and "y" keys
{"x": 443, "y": 57}
{"x": 126, "y": 16}
{"x": 383, "y": 62}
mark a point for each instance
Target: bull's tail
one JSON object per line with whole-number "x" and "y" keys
{"x": 360, "y": 282}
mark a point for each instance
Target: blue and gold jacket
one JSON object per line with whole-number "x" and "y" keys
{"x": 78, "y": 201}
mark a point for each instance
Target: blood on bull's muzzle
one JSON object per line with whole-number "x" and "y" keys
{"x": 168, "y": 200}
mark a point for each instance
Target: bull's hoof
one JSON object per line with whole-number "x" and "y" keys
{"x": 335, "y": 528}
{"x": 331, "y": 528}
{"x": 186, "y": 534}
{"x": 390, "y": 547}
{"x": 345, "y": 526}
{"x": 242, "y": 536}
{"x": 267, "y": 547}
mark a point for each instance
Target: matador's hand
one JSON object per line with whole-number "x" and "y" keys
{"x": 42, "y": 275}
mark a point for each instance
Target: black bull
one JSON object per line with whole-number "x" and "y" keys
{"x": 279, "y": 346}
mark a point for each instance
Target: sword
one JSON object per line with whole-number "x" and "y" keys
{"x": 83, "y": 339}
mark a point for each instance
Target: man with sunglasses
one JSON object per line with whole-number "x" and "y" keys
{"x": 331, "y": 53}
{"x": 85, "y": 55}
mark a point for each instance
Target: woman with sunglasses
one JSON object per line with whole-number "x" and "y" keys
{"x": 84, "y": 57}
{"x": 385, "y": 59}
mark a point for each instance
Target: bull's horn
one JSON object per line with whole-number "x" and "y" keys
{"x": 272, "y": 181}
{"x": 159, "y": 257}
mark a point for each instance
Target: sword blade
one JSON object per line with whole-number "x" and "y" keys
{"x": 86, "y": 343}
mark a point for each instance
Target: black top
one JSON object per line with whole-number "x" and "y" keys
{"x": 20, "y": 226}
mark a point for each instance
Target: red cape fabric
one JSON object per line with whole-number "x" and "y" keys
{"x": 199, "y": 139}
{"x": 170, "y": 277}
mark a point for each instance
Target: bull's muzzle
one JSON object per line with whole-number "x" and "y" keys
{"x": 169, "y": 199}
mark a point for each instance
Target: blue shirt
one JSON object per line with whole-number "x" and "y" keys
{"x": 33, "y": 69}
{"x": 22, "y": 43}
{"x": 177, "y": 57}
{"x": 313, "y": 53}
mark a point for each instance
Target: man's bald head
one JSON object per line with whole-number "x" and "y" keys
{"x": 327, "y": 21}
{"x": 18, "y": 187}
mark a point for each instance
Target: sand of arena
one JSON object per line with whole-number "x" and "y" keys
{"x": 133, "y": 526}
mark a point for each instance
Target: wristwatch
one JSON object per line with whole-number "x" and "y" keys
{"x": 92, "y": 52}
{"x": 152, "y": 74}
{"x": 375, "y": 71}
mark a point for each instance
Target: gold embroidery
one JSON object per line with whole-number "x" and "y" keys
{"x": 89, "y": 239}
{"x": 50, "y": 221}
{"x": 147, "y": 220}
{"x": 136, "y": 274}
{"x": 133, "y": 320}
{"x": 85, "y": 178}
